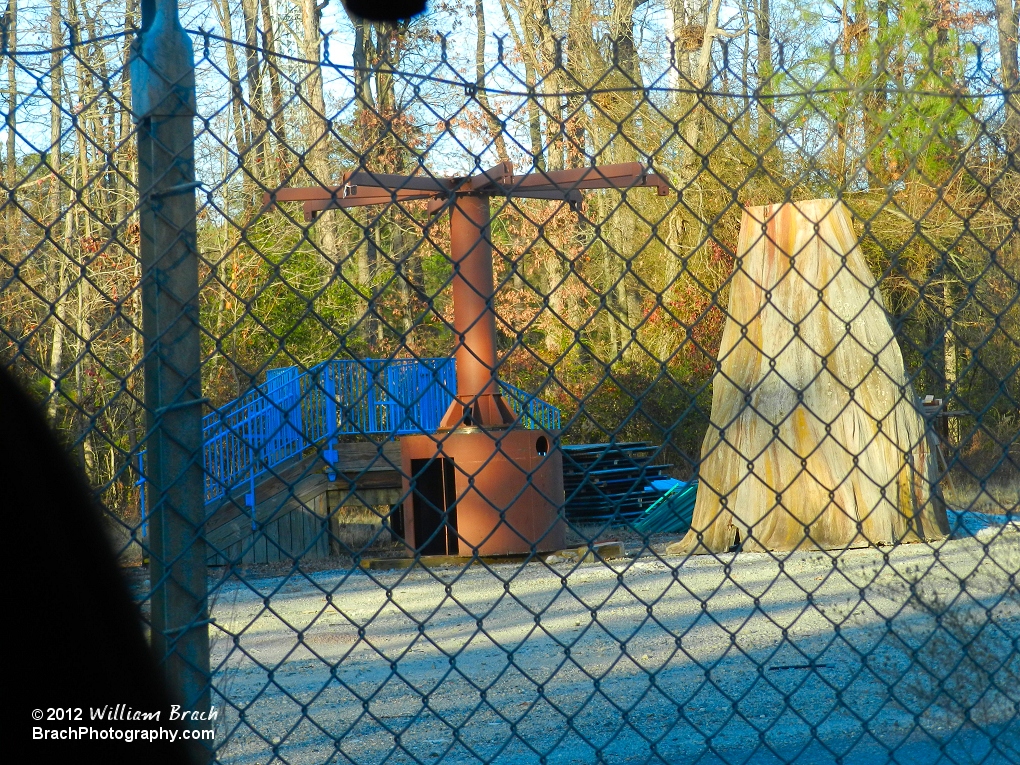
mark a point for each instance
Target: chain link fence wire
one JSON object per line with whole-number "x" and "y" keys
{"x": 721, "y": 464}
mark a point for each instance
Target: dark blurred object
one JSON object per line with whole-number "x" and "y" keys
{"x": 76, "y": 632}
{"x": 383, "y": 10}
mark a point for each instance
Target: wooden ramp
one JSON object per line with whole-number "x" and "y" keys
{"x": 300, "y": 513}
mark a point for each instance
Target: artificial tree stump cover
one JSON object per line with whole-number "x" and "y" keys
{"x": 816, "y": 440}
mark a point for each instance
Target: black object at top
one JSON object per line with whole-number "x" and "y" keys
{"x": 385, "y": 10}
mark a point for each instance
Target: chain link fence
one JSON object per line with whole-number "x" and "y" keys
{"x": 614, "y": 388}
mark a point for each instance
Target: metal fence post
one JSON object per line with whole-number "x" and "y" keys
{"x": 163, "y": 81}
{"x": 331, "y": 455}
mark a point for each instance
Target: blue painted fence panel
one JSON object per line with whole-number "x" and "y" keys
{"x": 294, "y": 411}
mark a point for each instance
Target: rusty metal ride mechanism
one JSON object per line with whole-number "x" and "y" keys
{"x": 481, "y": 484}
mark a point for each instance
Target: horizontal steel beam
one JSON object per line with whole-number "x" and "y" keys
{"x": 361, "y": 188}
{"x": 378, "y": 197}
{"x": 399, "y": 182}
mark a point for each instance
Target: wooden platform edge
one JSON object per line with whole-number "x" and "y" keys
{"x": 584, "y": 554}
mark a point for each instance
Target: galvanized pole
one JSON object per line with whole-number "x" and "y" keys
{"x": 163, "y": 82}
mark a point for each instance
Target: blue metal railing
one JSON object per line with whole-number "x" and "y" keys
{"x": 293, "y": 411}
{"x": 534, "y": 413}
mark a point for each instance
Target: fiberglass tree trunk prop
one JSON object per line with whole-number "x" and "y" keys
{"x": 815, "y": 439}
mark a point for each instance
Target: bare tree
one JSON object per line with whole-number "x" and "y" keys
{"x": 239, "y": 114}
{"x": 578, "y": 74}
{"x": 686, "y": 30}
{"x": 273, "y": 65}
{"x": 317, "y": 127}
{"x": 58, "y": 272}
{"x": 763, "y": 32}
{"x": 526, "y": 49}
{"x": 1006, "y": 17}
{"x": 877, "y": 101}
{"x": 258, "y": 122}
{"x": 495, "y": 125}
{"x": 10, "y": 39}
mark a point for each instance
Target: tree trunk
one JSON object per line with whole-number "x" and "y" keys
{"x": 877, "y": 103}
{"x": 745, "y": 77}
{"x": 125, "y": 128}
{"x": 249, "y": 10}
{"x": 317, "y": 131}
{"x": 399, "y": 251}
{"x": 816, "y": 439}
{"x": 388, "y": 146}
{"x": 674, "y": 33}
{"x": 317, "y": 128}
{"x": 555, "y": 321}
{"x": 527, "y": 51}
{"x": 359, "y": 59}
{"x": 689, "y": 18}
{"x": 401, "y": 257}
{"x": 763, "y": 30}
{"x": 623, "y": 40}
{"x": 534, "y": 120}
{"x": 97, "y": 72}
{"x": 83, "y": 222}
{"x": 60, "y": 310}
{"x": 61, "y": 287}
{"x": 12, "y": 224}
{"x": 240, "y": 114}
{"x": 950, "y": 359}
{"x": 553, "y": 82}
{"x": 128, "y": 178}
{"x": 57, "y": 261}
{"x": 273, "y": 65}
{"x": 578, "y": 55}
{"x": 367, "y": 258}
{"x": 1006, "y": 21}
{"x": 684, "y": 233}
{"x": 495, "y": 125}
{"x": 611, "y": 276}
{"x": 623, "y": 222}
{"x": 695, "y": 127}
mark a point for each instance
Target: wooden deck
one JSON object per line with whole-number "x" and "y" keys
{"x": 299, "y": 512}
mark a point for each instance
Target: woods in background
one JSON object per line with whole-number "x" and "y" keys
{"x": 910, "y": 112}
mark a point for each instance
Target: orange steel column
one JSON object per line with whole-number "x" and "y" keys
{"x": 479, "y": 402}
{"x": 474, "y": 321}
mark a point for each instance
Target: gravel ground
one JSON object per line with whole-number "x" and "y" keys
{"x": 735, "y": 658}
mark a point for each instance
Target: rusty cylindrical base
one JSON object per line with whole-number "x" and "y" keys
{"x": 503, "y": 491}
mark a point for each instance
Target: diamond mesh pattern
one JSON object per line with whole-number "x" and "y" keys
{"x": 844, "y": 587}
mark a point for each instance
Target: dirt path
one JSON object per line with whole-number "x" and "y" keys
{"x": 643, "y": 660}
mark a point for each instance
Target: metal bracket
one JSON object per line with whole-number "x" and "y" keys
{"x": 193, "y": 625}
{"x": 180, "y": 405}
{"x": 437, "y": 205}
{"x": 180, "y": 188}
